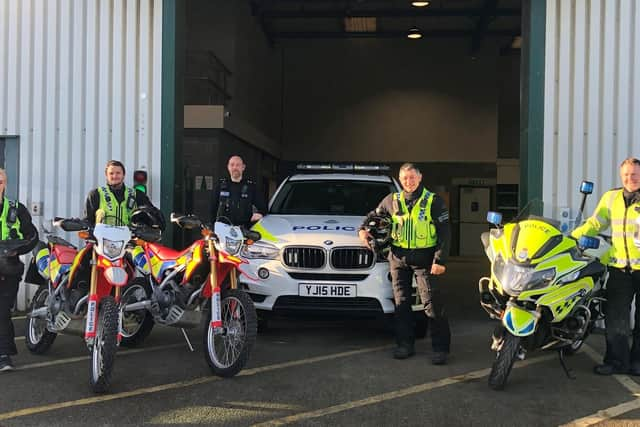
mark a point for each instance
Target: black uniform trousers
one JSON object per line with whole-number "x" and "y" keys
{"x": 622, "y": 286}
{"x": 404, "y": 264}
{"x": 8, "y": 292}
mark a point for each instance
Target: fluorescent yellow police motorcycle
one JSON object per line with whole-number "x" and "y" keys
{"x": 546, "y": 288}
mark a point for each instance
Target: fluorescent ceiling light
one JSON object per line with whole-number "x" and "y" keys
{"x": 414, "y": 33}
{"x": 420, "y": 3}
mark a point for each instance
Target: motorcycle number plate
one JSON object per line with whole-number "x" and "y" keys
{"x": 326, "y": 290}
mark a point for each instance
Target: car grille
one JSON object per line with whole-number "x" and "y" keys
{"x": 347, "y": 258}
{"x": 303, "y": 257}
{"x": 292, "y": 303}
{"x": 331, "y": 277}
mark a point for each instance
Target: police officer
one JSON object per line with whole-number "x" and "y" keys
{"x": 116, "y": 199}
{"x": 419, "y": 246}
{"x": 15, "y": 223}
{"x": 620, "y": 209}
{"x": 236, "y": 199}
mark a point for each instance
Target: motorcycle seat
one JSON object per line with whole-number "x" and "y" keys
{"x": 165, "y": 253}
{"x": 64, "y": 254}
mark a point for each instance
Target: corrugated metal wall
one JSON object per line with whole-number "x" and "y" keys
{"x": 592, "y": 97}
{"x": 80, "y": 83}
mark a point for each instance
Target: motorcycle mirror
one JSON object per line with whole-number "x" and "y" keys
{"x": 174, "y": 217}
{"x": 494, "y": 218}
{"x": 587, "y": 242}
{"x": 586, "y": 187}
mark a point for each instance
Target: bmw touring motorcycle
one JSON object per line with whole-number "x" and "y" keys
{"x": 80, "y": 291}
{"x": 198, "y": 285}
{"x": 546, "y": 288}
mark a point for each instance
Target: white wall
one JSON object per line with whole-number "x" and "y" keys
{"x": 80, "y": 84}
{"x": 592, "y": 97}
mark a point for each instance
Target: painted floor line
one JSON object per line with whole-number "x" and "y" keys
{"x": 180, "y": 384}
{"x": 19, "y": 318}
{"x": 613, "y": 411}
{"x": 379, "y": 398}
{"x": 81, "y": 358}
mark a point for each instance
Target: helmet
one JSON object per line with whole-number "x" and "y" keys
{"x": 379, "y": 226}
{"x": 148, "y": 216}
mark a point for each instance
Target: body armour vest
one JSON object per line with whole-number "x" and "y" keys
{"x": 415, "y": 229}
{"x": 109, "y": 204}
{"x": 10, "y": 220}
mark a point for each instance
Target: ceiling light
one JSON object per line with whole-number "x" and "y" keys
{"x": 420, "y": 3}
{"x": 414, "y": 33}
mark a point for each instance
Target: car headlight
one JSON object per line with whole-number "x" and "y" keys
{"x": 261, "y": 250}
{"x": 112, "y": 248}
{"x": 516, "y": 279}
{"x": 232, "y": 246}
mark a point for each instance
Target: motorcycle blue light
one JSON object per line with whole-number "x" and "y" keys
{"x": 587, "y": 242}
{"x": 494, "y": 218}
{"x": 586, "y": 187}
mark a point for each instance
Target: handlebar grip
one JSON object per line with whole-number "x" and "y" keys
{"x": 252, "y": 235}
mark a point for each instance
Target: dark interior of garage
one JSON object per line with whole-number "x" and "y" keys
{"x": 281, "y": 82}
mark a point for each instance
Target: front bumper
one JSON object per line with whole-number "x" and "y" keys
{"x": 280, "y": 291}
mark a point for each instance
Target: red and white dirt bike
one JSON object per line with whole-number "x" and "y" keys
{"x": 81, "y": 291}
{"x": 198, "y": 285}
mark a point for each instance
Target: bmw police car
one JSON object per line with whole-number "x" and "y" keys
{"x": 310, "y": 257}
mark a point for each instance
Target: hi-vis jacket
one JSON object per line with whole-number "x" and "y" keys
{"x": 625, "y": 227}
{"x": 418, "y": 224}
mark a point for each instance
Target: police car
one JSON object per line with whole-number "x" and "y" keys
{"x": 310, "y": 258}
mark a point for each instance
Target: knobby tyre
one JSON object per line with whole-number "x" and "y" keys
{"x": 103, "y": 353}
{"x": 228, "y": 352}
{"x": 136, "y": 325}
{"x": 504, "y": 361}
{"x": 37, "y": 337}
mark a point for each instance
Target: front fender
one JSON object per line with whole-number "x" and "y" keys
{"x": 518, "y": 321}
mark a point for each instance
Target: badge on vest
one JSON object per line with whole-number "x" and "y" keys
{"x": 224, "y": 193}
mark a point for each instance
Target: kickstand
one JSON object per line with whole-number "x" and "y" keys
{"x": 186, "y": 337}
{"x": 567, "y": 371}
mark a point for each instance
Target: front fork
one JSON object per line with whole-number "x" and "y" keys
{"x": 216, "y": 315}
{"x": 92, "y": 307}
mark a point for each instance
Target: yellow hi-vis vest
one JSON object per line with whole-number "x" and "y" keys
{"x": 415, "y": 229}
{"x": 625, "y": 228}
{"x": 9, "y": 222}
{"x": 109, "y": 203}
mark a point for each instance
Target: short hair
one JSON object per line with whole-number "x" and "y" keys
{"x": 409, "y": 166}
{"x": 630, "y": 161}
{"x": 115, "y": 163}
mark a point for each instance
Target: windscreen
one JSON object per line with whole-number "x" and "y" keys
{"x": 330, "y": 197}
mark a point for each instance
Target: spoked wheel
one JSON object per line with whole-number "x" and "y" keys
{"x": 504, "y": 361}
{"x": 227, "y": 351}
{"x": 37, "y": 337}
{"x": 136, "y": 325}
{"x": 103, "y": 353}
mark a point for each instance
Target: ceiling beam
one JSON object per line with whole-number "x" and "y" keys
{"x": 388, "y": 34}
{"x": 380, "y": 13}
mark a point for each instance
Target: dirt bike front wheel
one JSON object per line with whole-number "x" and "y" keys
{"x": 504, "y": 361}
{"x": 227, "y": 350}
{"x": 105, "y": 345}
{"x": 37, "y": 337}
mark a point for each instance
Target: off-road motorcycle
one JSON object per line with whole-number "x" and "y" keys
{"x": 546, "y": 288}
{"x": 199, "y": 285}
{"x": 80, "y": 290}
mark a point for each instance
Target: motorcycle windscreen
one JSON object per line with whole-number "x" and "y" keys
{"x": 519, "y": 322}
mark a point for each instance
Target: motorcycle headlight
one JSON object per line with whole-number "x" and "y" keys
{"x": 112, "y": 248}
{"x": 261, "y": 250}
{"x": 232, "y": 246}
{"x": 516, "y": 279}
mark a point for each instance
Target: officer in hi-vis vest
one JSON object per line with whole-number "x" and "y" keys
{"x": 117, "y": 200}
{"x": 236, "y": 200}
{"x": 15, "y": 223}
{"x": 420, "y": 245}
{"x": 619, "y": 209}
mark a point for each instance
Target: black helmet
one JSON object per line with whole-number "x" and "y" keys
{"x": 379, "y": 226}
{"x": 148, "y": 216}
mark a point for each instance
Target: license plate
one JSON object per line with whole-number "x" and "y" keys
{"x": 326, "y": 290}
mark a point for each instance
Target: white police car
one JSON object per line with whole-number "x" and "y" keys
{"x": 310, "y": 258}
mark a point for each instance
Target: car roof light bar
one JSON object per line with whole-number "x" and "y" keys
{"x": 341, "y": 167}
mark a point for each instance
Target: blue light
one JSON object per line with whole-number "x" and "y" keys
{"x": 494, "y": 218}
